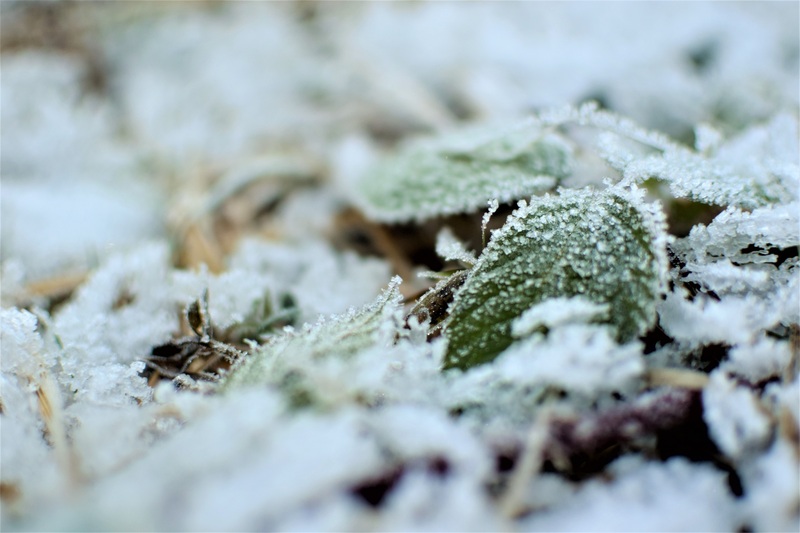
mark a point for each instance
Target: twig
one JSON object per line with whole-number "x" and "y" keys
{"x": 792, "y": 369}
{"x": 512, "y": 502}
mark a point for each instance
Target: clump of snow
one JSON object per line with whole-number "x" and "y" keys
{"x": 772, "y": 499}
{"x": 705, "y": 321}
{"x": 555, "y": 312}
{"x": 646, "y": 496}
{"x": 762, "y": 360}
{"x": 31, "y": 467}
{"x": 23, "y": 347}
{"x": 735, "y": 420}
{"x": 583, "y": 359}
{"x": 697, "y": 61}
{"x": 58, "y": 133}
{"x": 733, "y": 230}
{"x": 93, "y": 220}
{"x": 217, "y": 117}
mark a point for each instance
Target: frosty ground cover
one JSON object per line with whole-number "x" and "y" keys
{"x": 412, "y": 266}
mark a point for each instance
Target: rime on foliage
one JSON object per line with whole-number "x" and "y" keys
{"x": 283, "y": 361}
{"x": 461, "y": 172}
{"x": 606, "y": 246}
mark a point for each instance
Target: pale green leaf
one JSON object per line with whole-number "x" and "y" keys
{"x": 608, "y": 247}
{"x": 461, "y": 172}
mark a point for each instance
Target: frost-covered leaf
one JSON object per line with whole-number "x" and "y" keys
{"x": 744, "y": 237}
{"x": 287, "y": 359}
{"x": 460, "y": 173}
{"x": 606, "y": 246}
{"x": 755, "y": 169}
{"x": 692, "y": 176}
{"x": 746, "y": 254}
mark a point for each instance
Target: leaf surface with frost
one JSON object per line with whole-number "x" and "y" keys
{"x": 754, "y": 169}
{"x": 608, "y": 247}
{"x": 284, "y": 361}
{"x": 460, "y": 173}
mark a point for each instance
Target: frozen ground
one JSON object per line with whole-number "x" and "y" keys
{"x": 153, "y": 151}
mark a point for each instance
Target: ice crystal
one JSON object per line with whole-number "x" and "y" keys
{"x": 608, "y": 247}
{"x": 461, "y": 172}
{"x": 449, "y": 248}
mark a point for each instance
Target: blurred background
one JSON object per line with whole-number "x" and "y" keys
{"x": 198, "y": 122}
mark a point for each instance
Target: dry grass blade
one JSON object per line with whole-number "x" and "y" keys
{"x": 512, "y": 502}
{"x": 676, "y": 377}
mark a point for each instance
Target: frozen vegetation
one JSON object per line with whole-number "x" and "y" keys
{"x": 324, "y": 266}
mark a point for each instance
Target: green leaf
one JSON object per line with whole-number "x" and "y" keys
{"x": 609, "y": 247}
{"x": 460, "y": 173}
{"x": 287, "y": 360}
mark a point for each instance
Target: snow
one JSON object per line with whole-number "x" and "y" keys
{"x": 261, "y": 127}
{"x": 762, "y": 360}
{"x": 735, "y": 420}
{"x": 585, "y": 360}
{"x": 772, "y": 480}
{"x": 646, "y": 496}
